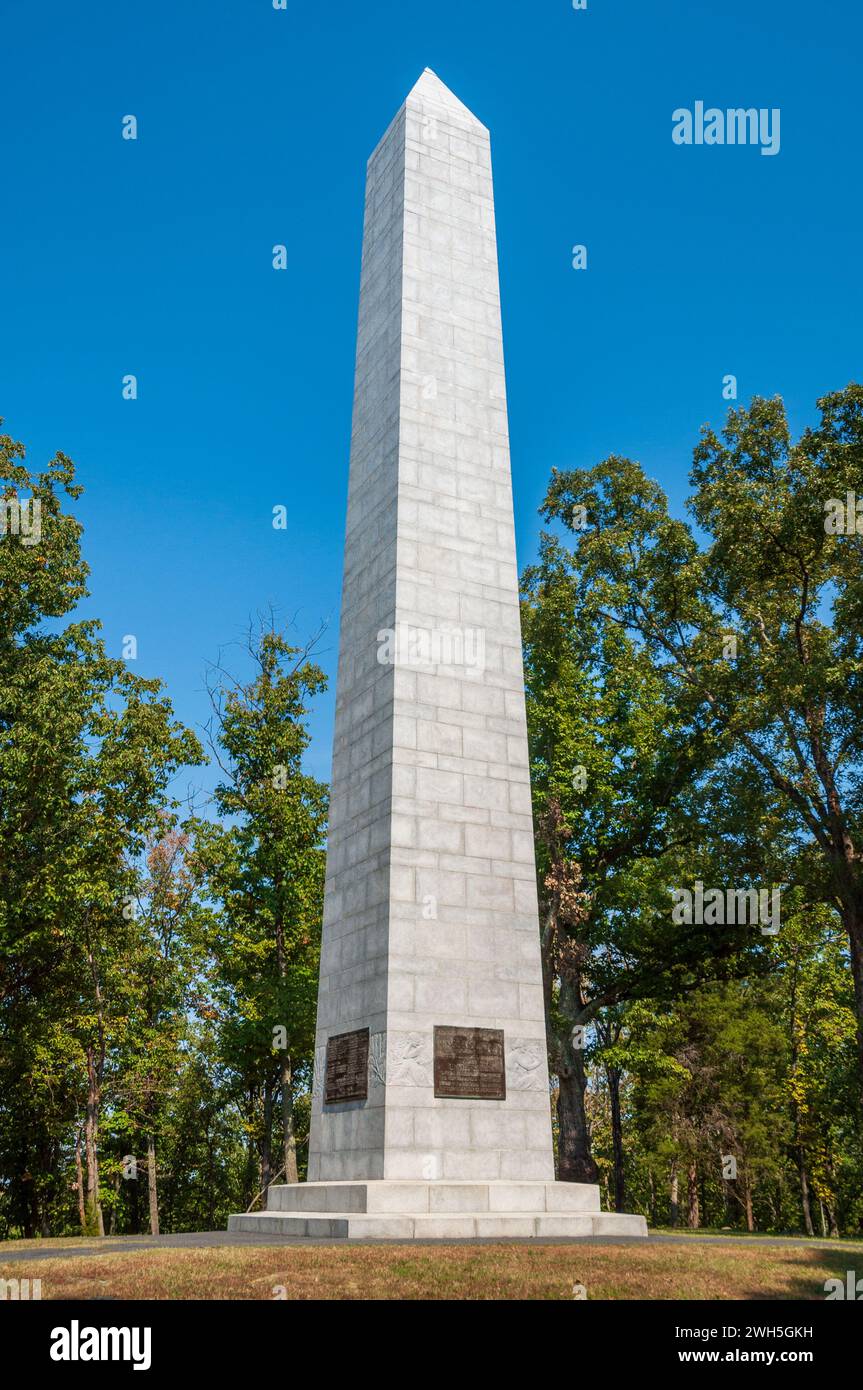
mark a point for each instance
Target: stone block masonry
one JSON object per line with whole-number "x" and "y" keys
{"x": 431, "y": 934}
{"x": 431, "y": 913}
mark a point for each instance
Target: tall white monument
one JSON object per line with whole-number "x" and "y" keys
{"x": 430, "y": 1113}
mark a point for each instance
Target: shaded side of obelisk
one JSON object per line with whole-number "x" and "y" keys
{"x": 348, "y": 1140}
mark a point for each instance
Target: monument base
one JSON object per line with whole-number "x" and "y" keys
{"x": 386, "y": 1210}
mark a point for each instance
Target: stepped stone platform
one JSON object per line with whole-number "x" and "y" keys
{"x": 384, "y": 1210}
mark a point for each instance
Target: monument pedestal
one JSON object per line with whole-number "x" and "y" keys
{"x": 436, "y": 1211}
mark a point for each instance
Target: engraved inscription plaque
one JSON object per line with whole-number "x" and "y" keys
{"x": 469, "y": 1063}
{"x": 347, "y": 1067}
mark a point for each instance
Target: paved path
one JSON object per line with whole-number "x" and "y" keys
{"x": 201, "y": 1240}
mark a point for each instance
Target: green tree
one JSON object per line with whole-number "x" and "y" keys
{"x": 756, "y": 633}
{"x": 87, "y": 753}
{"x": 619, "y": 769}
{"x": 265, "y": 869}
{"x": 166, "y": 969}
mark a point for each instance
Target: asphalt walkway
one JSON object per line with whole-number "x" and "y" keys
{"x": 202, "y": 1240}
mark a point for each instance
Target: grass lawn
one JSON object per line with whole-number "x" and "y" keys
{"x": 728, "y": 1271}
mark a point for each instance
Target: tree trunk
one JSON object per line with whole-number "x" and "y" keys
{"x": 288, "y": 1134}
{"x": 674, "y": 1203}
{"x": 853, "y": 919}
{"x": 95, "y": 1073}
{"x": 152, "y": 1185}
{"x": 79, "y": 1183}
{"x": 575, "y": 1161}
{"x": 267, "y": 1140}
{"x": 252, "y": 1175}
{"x": 112, "y": 1220}
{"x": 95, "y": 1218}
{"x": 286, "y": 1081}
{"x": 747, "y": 1204}
{"x": 692, "y": 1185}
{"x": 798, "y": 1142}
{"x": 771, "y": 1203}
{"x": 613, "y": 1077}
{"x": 829, "y": 1204}
{"x": 727, "y": 1219}
{"x": 804, "y": 1193}
{"x": 211, "y": 1184}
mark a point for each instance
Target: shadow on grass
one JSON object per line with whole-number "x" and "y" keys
{"x": 809, "y": 1287}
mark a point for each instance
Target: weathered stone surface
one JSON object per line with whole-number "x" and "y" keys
{"x": 419, "y": 1198}
{"x": 431, "y": 914}
{"x": 382, "y": 1223}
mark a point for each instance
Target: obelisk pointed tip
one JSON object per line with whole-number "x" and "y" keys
{"x": 429, "y": 88}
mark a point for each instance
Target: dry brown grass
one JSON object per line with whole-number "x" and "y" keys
{"x": 727, "y": 1271}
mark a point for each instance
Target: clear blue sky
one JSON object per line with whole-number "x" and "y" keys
{"x": 154, "y": 258}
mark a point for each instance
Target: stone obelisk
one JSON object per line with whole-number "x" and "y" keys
{"x": 430, "y": 1106}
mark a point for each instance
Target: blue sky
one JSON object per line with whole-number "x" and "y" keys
{"x": 154, "y": 257}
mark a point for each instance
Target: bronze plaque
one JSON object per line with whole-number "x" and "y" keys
{"x": 347, "y": 1067}
{"x": 469, "y": 1063}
